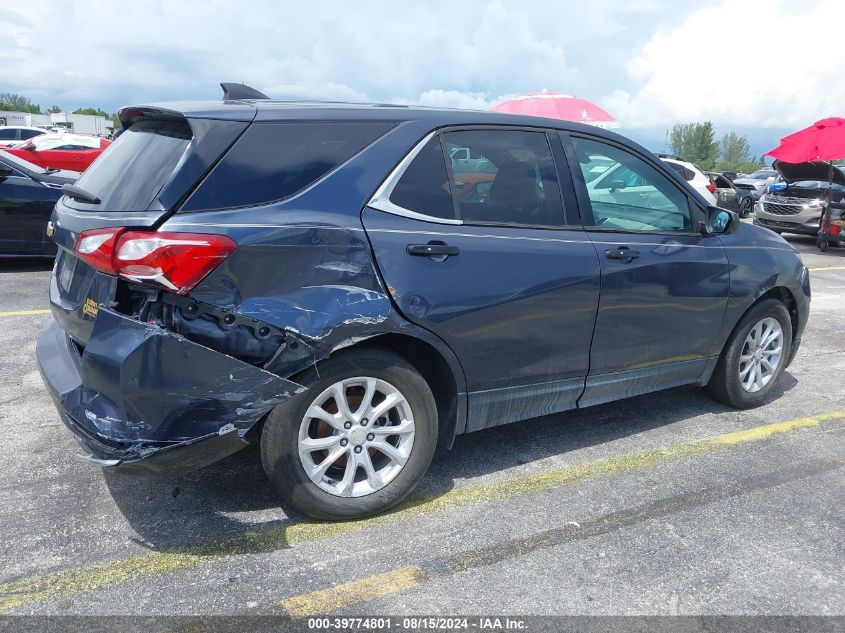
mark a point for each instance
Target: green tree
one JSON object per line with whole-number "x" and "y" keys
{"x": 734, "y": 149}
{"x": 94, "y": 111}
{"x": 11, "y": 102}
{"x": 695, "y": 142}
{"x": 735, "y": 154}
{"x": 54, "y": 109}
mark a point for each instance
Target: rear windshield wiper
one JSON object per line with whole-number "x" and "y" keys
{"x": 78, "y": 193}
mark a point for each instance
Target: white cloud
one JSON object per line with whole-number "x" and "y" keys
{"x": 740, "y": 63}
{"x": 440, "y": 52}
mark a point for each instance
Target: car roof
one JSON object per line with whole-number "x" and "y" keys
{"x": 278, "y": 110}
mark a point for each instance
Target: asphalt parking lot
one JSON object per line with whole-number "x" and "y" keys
{"x": 662, "y": 504}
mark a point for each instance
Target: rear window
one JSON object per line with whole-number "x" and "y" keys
{"x": 273, "y": 161}
{"x": 131, "y": 172}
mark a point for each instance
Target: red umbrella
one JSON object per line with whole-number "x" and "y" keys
{"x": 556, "y": 105}
{"x": 824, "y": 140}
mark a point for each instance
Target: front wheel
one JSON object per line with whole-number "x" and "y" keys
{"x": 357, "y": 441}
{"x": 755, "y": 356}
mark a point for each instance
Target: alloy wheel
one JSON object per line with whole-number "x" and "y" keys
{"x": 761, "y": 354}
{"x": 356, "y": 436}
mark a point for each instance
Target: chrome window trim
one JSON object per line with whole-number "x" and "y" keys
{"x": 381, "y": 198}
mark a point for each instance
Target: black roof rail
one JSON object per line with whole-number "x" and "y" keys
{"x": 672, "y": 156}
{"x": 232, "y": 91}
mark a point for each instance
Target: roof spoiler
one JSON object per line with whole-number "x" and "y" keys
{"x": 233, "y": 91}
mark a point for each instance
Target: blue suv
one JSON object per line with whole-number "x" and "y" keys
{"x": 350, "y": 285}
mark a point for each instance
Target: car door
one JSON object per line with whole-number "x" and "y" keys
{"x": 62, "y": 157}
{"x": 504, "y": 275}
{"x": 25, "y": 206}
{"x": 664, "y": 284}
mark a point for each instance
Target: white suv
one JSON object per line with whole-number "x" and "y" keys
{"x": 11, "y": 134}
{"x": 692, "y": 175}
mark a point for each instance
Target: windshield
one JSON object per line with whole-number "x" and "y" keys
{"x": 816, "y": 184}
{"x": 129, "y": 174}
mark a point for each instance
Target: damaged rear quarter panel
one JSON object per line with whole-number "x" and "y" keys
{"x": 144, "y": 387}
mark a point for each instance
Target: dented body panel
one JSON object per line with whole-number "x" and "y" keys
{"x": 136, "y": 390}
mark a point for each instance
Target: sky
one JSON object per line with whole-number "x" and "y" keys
{"x": 763, "y": 68}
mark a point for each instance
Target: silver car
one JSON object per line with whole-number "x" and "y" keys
{"x": 796, "y": 208}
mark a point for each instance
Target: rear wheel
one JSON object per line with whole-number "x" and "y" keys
{"x": 755, "y": 356}
{"x": 357, "y": 441}
{"x": 745, "y": 206}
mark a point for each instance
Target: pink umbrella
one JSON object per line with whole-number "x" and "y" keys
{"x": 557, "y": 105}
{"x": 822, "y": 141}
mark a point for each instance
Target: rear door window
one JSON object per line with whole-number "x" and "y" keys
{"x": 131, "y": 172}
{"x": 505, "y": 177}
{"x": 274, "y": 161}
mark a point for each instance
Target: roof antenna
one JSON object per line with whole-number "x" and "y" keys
{"x": 233, "y": 91}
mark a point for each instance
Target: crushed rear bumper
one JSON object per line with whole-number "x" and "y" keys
{"x": 142, "y": 399}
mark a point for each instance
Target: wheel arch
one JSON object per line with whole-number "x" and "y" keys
{"x": 441, "y": 371}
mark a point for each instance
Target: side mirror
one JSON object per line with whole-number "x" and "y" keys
{"x": 5, "y": 172}
{"x": 720, "y": 221}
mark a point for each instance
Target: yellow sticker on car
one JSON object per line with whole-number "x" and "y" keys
{"x": 90, "y": 308}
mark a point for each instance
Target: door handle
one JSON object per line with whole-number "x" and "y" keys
{"x": 433, "y": 249}
{"x": 623, "y": 253}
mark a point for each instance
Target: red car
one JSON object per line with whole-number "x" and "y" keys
{"x": 61, "y": 151}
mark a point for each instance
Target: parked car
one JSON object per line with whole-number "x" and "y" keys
{"x": 725, "y": 192}
{"x": 14, "y": 134}
{"x": 733, "y": 175}
{"x": 693, "y": 175}
{"x": 304, "y": 277}
{"x": 74, "y": 152}
{"x": 27, "y": 196}
{"x": 797, "y": 203}
{"x": 756, "y": 182}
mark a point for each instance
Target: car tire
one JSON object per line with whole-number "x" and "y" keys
{"x": 291, "y": 431}
{"x": 732, "y": 382}
{"x": 745, "y": 206}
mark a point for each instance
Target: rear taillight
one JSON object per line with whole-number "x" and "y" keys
{"x": 711, "y": 188}
{"x": 176, "y": 261}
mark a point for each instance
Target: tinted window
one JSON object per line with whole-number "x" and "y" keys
{"x": 272, "y": 161}
{"x": 8, "y": 135}
{"x": 649, "y": 203}
{"x": 25, "y": 134}
{"x": 504, "y": 177}
{"x": 683, "y": 172}
{"x": 131, "y": 172}
{"x": 424, "y": 187}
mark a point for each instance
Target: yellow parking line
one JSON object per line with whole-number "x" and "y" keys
{"x": 74, "y": 581}
{"x": 814, "y": 270}
{"x": 14, "y": 313}
{"x": 354, "y": 592}
{"x": 325, "y": 601}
